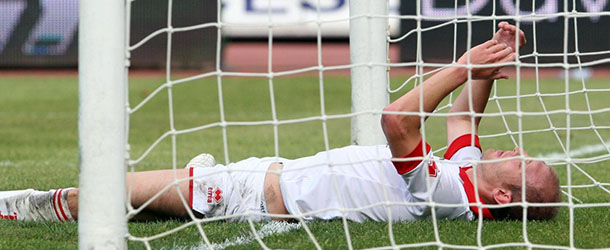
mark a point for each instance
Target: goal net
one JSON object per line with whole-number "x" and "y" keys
{"x": 554, "y": 107}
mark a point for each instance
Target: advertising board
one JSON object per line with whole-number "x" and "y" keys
{"x": 591, "y": 32}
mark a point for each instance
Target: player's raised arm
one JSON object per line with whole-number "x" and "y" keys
{"x": 462, "y": 124}
{"x": 402, "y": 131}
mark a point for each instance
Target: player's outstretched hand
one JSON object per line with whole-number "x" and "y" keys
{"x": 490, "y": 52}
{"x": 506, "y": 34}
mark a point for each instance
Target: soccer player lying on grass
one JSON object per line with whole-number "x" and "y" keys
{"x": 358, "y": 182}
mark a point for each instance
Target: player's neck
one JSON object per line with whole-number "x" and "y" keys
{"x": 484, "y": 187}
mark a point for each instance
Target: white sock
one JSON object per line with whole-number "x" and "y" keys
{"x": 35, "y": 205}
{"x": 60, "y": 204}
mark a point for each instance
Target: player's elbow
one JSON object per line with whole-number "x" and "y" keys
{"x": 397, "y": 125}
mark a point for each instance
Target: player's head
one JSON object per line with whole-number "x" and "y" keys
{"x": 504, "y": 173}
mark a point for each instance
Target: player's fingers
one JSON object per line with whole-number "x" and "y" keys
{"x": 512, "y": 28}
{"x": 508, "y": 58}
{"x": 498, "y": 47}
{"x": 501, "y": 24}
{"x": 506, "y": 26}
{"x": 504, "y": 53}
{"x": 499, "y": 75}
{"x": 489, "y": 43}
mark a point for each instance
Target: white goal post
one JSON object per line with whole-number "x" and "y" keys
{"x": 102, "y": 120}
{"x": 369, "y": 72}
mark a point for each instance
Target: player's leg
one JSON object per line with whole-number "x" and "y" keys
{"x": 145, "y": 185}
{"x": 62, "y": 204}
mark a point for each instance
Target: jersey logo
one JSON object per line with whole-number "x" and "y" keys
{"x": 214, "y": 195}
{"x": 432, "y": 170}
{"x": 7, "y": 216}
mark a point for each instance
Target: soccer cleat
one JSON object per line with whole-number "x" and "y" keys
{"x": 35, "y": 205}
{"x": 202, "y": 161}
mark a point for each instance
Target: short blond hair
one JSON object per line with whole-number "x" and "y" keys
{"x": 548, "y": 192}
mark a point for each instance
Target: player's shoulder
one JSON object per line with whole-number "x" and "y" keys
{"x": 466, "y": 156}
{"x": 464, "y": 145}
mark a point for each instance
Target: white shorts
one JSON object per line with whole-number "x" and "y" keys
{"x": 233, "y": 192}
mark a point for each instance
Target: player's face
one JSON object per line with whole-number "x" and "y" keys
{"x": 507, "y": 166}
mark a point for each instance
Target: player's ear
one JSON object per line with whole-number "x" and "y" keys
{"x": 501, "y": 195}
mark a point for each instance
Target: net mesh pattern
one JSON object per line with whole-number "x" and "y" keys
{"x": 575, "y": 129}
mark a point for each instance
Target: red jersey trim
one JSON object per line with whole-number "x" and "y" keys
{"x": 469, "y": 188}
{"x": 461, "y": 142}
{"x": 191, "y": 188}
{"x": 404, "y": 167}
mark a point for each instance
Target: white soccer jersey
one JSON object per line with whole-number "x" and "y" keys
{"x": 362, "y": 183}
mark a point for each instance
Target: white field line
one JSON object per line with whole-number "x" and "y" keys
{"x": 584, "y": 150}
{"x": 277, "y": 227}
{"x": 7, "y": 163}
{"x": 271, "y": 228}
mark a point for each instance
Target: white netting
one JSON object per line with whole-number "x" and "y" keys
{"x": 521, "y": 113}
{"x": 575, "y": 76}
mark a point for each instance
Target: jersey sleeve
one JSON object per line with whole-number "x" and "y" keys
{"x": 416, "y": 171}
{"x": 409, "y": 165}
{"x": 462, "y": 149}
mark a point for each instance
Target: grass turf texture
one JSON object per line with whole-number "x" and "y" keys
{"x": 39, "y": 149}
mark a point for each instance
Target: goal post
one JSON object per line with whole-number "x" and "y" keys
{"x": 369, "y": 76}
{"x": 101, "y": 124}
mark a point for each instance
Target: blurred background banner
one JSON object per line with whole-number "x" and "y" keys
{"x": 38, "y": 33}
{"x": 43, "y": 33}
{"x": 592, "y": 35}
{"x": 249, "y": 18}
{"x": 194, "y": 49}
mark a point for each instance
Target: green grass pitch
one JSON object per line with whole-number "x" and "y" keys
{"x": 38, "y": 148}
